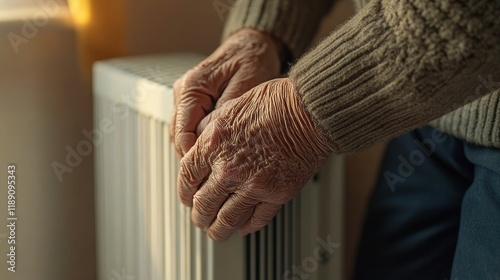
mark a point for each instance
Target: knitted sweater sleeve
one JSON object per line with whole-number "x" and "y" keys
{"x": 397, "y": 65}
{"x": 293, "y": 22}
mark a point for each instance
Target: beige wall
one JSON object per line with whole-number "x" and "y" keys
{"x": 43, "y": 108}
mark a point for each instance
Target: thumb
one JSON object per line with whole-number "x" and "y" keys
{"x": 214, "y": 115}
{"x": 239, "y": 84}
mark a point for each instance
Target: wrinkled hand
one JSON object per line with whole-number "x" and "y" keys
{"x": 243, "y": 61}
{"x": 256, "y": 154}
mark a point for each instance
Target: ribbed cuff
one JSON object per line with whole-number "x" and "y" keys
{"x": 340, "y": 83}
{"x": 292, "y": 22}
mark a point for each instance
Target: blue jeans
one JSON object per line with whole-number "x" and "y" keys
{"x": 435, "y": 212}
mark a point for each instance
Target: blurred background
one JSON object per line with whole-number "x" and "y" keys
{"x": 47, "y": 48}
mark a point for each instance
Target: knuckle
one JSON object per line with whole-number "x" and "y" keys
{"x": 178, "y": 146}
{"x": 266, "y": 214}
{"x": 193, "y": 75}
{"x": 281, "y": 198}
{"x": 185, "y": 166}
{"x": 171, "y": 136}
{"x": 184, "y": 194}
{"x": 178, "y": 85}
{"x": 258, "y": 222}
{"x": 185, "y": 202}
{"x": 220, "y": 129}
{"x": 227, "y": 219}
{"x": 171, "y": 129}
{"x": 182, "y": 187}
{"x": 201, "y": 213}
{"x": 199, "y": 217}
{"x": 199, "y": 223}
{"x": 186, "y": 176}
{"x": 216, "y": 235}
{"x": 220, "y": 183}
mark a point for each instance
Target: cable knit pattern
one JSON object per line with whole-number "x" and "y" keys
{"x": 398, "y": 65}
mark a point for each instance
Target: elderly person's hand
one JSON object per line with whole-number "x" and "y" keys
{"x": 246, "y": 59}
{"x": 256, "y": 154}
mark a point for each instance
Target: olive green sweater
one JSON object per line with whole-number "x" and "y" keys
{"x": 393, "y": 67}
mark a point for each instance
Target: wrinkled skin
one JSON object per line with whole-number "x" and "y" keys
{"x": 255, "y": 155}
{"x": 244, "y": 60}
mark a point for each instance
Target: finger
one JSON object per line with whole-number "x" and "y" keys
{"x": 214, "y": 115}
{"x": 263, "y": 214}
{"x": 232, "y": 215}
{"x": 209, "y": 198}
{"x": 206, "y": 121}
{"x": 193, "y": 107}
{"x": 194, "y": 168}
{"x": 196, "y": 102}
{"x": 237, "y": 86}
{"x": 171, "y": 130}
{"x": 176, "y": 91}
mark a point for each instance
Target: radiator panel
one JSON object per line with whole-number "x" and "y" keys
{"x": 143, "y": 230}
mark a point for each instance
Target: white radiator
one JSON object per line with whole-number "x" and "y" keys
{"x": 143, "y": 232}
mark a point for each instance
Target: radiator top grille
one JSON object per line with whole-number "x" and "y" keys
{"x": 161, "y": 69}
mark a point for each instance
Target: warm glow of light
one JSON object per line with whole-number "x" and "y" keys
{"x": 80, "y": 10}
